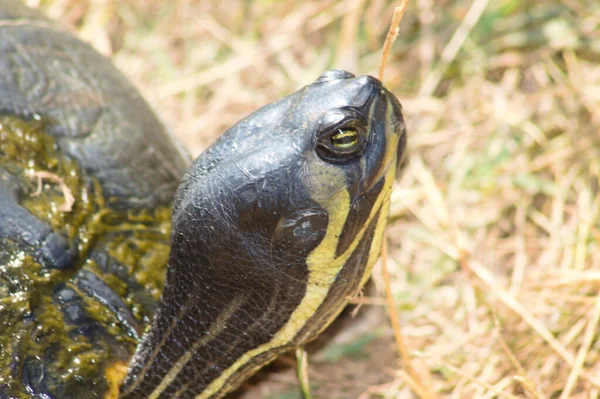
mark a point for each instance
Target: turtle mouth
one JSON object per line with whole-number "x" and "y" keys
{"x": 400, "y": 151}
{"x": 399, "y": 127}
{"x": 387, "y": 143}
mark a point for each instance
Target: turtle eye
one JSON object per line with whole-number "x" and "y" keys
{"x": 342, "y": 136}
{"x": 344, "y": 139}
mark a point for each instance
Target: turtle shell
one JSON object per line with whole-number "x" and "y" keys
{"x": 87, "y": 176}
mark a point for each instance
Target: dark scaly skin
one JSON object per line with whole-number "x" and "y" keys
{"x": 248, "y": 217}
{"x": 269, "y": 238}
{"x": 78, "y": 287}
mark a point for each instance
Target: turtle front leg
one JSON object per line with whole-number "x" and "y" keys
{"x": 49, "y": 249}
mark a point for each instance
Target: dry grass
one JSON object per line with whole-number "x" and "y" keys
{"x": 494, "y": 236}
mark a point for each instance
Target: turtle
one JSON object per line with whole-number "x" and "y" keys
{"x": 129, "y": 270}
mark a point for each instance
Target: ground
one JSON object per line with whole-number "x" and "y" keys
{"x": 493, "y": 237}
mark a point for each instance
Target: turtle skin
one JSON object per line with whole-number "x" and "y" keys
{"x": 79, "y": 280}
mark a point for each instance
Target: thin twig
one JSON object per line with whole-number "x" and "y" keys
{"x": 302, "y": 369}
{"x": 391, "y": 36}
{"x": 588, "y": 337}
{"x": 359, "y": 302}
{"x": 415, "y": 379}
{"x": 66, "y": 191}
{"x": 522, "y": 377}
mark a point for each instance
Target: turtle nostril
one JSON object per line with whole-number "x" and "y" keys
{"x": 334, "y": 74}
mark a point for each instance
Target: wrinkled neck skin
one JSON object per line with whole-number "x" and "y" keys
{"x": 268, "y": 241}
{"x": 215, "y": 308}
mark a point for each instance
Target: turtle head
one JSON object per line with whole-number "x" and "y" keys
{"x": 273, "y": 228}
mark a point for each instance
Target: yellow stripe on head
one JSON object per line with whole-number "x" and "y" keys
{"x": 215, "y": 329}
{"x": 323, "y": 267}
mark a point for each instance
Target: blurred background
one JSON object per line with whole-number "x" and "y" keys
{"x": 493, "y": 237}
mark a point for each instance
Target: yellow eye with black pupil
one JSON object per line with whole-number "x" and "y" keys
{"x": 344, "y": 139}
